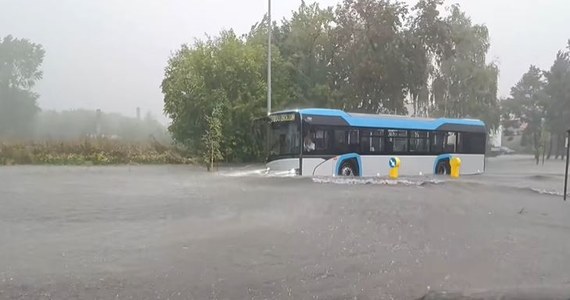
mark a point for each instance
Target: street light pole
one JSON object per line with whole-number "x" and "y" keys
{"x": 269, "y": 57}
{"x": 567, "y": 163}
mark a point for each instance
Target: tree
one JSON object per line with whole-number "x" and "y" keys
{"x": 430, "y": 44}
{"x": 370, "y": 65}
{"x": 283, "y": 86}
{"x": 528, "y": 102}
{"x": 466, "y": 85}
{"x": 20, "y": 62}
{"x": 307, "y": 50}
{"x": 212, "y": 139}
{"x": 558, "y": 106}
{"x": 226, "y": 70}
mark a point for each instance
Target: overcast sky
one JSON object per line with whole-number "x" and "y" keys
{"x": 111, "y": 54}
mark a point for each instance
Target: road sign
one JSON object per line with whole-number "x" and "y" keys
{"x": 392, "y": 163}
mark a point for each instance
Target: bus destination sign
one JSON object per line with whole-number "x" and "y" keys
{"x": 283, "y": 117}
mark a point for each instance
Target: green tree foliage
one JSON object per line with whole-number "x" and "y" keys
{"x": 430, "y": 44}
{"x": 374, "y": 56}
{"x": 370, "y": 64}
{"x": 528, "y": 103}
{"x": 227, "y": 71}
{"x": 20, "y": 62}
{"x": 466, "y": 85}
{"x": 306, "y": 47}
{"x": 541, "y": 102}
{"x": 558, "y": 106}
{"x": 212, "y": 139}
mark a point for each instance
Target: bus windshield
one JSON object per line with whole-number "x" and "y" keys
{"x": 284, "y": 139}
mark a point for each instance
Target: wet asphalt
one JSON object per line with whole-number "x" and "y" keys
{"x": 177, "y": 232}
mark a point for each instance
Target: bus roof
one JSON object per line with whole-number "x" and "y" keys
{"x": 324, "y": 116}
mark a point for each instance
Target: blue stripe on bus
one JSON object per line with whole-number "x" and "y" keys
{"x": 341, "y": 159}
{"x": 378, "y": 121}
{"x": 440, "y": 158}
{"x": 408, "y": 123}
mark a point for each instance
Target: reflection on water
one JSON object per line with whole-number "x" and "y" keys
{"x": 414, "y": 181}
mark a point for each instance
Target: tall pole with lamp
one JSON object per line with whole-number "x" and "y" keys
{"x": 269, "y": 29}
{"x": 567, "y": 163}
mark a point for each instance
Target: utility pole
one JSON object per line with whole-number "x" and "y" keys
{"x": 98, "y": 114}
{"x": 269, "y": 29}
{"x": 567, "y": 163}
{"x": 543, "y": 139}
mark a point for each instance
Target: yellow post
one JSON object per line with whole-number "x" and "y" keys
{"x": 394, "y": 164}
{"x": 455, "y": 167}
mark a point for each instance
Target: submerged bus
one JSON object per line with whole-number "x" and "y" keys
{"x": 330, "y": 142}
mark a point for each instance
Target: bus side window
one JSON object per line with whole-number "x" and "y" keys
{"x": 471, "y": 143}
{"x": 321, "y": 139}
{"x": 372, "y": 141}
{"x": 377, "y": 141}
{"x": 436, "y": 146}
{"x": 397, "y": 141}
{"x": 341, "y": 141}
{"x": 419, "y": 142}
{"x": 354, "y": 141}
{"x": 460, "y": 143}
{"x": 450, "y": 142}
{"x": 365, "y": 142}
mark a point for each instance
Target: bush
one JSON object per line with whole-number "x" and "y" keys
{"x": 90, "y": 152}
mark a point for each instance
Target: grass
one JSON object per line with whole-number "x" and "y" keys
{"x": 89, "y": 152}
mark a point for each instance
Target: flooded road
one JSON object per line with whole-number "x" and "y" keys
{"x": 174, "y": 232}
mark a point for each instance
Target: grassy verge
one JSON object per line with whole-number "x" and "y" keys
{"x": 89, "y": 152}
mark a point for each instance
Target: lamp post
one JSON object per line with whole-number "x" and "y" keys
{"x": 269, "y": 29}
{"x": 567, "y": 163}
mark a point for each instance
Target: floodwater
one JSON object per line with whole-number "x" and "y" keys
{"x": 177, "y": 232}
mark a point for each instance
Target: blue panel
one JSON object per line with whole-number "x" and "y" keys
{"x": 397, "y": 122}
{"x": 345, "y": 157}
{"x": 324, "y": 112}
{"x": 440, "y": 158}
{"x": 408, "y": 123}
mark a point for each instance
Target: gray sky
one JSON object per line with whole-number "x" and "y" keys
{"x": 110, "y": 54}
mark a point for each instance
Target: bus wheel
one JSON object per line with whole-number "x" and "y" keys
{"x": 347, "y": 169}
{"x": 443, "y": 168}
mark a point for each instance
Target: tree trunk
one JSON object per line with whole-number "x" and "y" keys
{"x": 212, "y": 158}
{"x": 550, "y": 144}
{"x": 563, "y": 143}
{"x": 536, "y": 142}
{"x": 560, "y": 146}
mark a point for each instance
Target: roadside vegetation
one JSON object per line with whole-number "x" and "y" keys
{"x": 29, "y": 135}
{"x": 99, "y": 151}
{"x": 537, "y": 113}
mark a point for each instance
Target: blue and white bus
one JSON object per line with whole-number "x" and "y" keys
{"x": 330, "y": 142}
